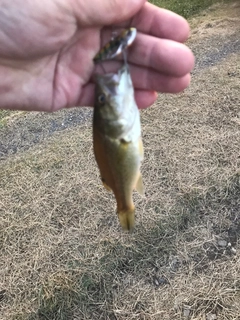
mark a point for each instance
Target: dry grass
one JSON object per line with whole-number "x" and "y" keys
{"x": 63, "y": 254}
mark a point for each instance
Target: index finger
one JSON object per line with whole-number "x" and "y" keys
{"x": 160, "y": 23}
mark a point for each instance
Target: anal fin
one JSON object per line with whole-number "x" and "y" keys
{"x": 139, "y": 185}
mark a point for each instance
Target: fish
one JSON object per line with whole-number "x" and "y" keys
{"x": 116, "y": 45}
{"x": 117, "y": 141}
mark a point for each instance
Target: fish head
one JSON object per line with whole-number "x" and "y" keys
{"x": 115, "y": 108}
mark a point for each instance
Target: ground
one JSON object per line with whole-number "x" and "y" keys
{"x": 63, "y": 253}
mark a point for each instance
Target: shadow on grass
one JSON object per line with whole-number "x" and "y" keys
{"x": 92, "y": 292}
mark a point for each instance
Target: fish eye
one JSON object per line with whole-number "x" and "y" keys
{"x": 102, "y": 98}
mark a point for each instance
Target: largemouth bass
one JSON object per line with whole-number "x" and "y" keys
{"x": 117, "y": 140}
{"x": 117, "y": 45}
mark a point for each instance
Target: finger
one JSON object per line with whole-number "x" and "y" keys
{"x": 151, "y": 80}
{"x": 167, "y": 56}
{"x": 148, "y": 78}
{"x": 160, "y": 22}
{"x": 144, "y": 98}
{"x": 100, "y": 13}
{"x": 143, "y": 81}
{"x": 163, "y": 55}
{"x": 86, "y": 98}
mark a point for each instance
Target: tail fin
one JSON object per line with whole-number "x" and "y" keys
{"x": 127, "y": 218}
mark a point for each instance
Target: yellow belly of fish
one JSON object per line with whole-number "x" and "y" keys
{"x": 119, "y": 164}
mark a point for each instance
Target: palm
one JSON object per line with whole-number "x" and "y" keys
{"x": 71, "y": 67}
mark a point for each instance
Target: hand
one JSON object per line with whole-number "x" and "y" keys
{"x": 47, "y": 47}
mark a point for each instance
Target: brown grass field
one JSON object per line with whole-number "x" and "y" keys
{"x": 63, "y": 253}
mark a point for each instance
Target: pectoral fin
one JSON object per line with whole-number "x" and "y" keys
{"x": 139, "y": 185}
{"x": 105, "y": 185}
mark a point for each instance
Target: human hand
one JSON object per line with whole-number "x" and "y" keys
{"x": 47, "y": 50}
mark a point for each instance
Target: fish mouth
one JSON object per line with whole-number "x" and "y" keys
{"x": 111, "y": 81}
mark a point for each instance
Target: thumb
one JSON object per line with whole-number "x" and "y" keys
{"x": 105, "y": 12}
